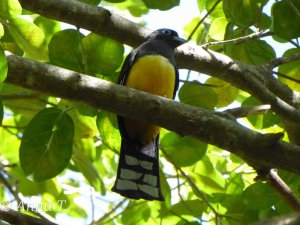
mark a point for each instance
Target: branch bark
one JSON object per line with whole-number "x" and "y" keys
{"x": 15, "y": 217}
{"x": 259, "y": 150}
{"x": 257, "y": 80}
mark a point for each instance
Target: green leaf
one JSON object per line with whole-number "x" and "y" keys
{"x": 220, "y": 87}
{"x": 201, "y": 34}
{"x": 85, "y": 165}
{"x": 28, "y": 187}
{"x": 198, "y": 95}
{"x": 162, "y": 5}
{"x": 263, "y": 120}
{"x": 9, "y": 44}
{"x": 65, "y": 50}
{"x": 1, "y": 111}
{"x": 46, "y": 145}
{"x": 107, "y": 127}
{"x": 30, "y": 38}
{"x": 193, "y": 208}
{"x": 92, "y": 2}
{"x": 1, "y": 31}
{"x": 115, "y": 1}
{"x": 208, "y": 177}
{"x": 252, "y": 52}
{"x": 259, "y": 196}
{"x": 291, "y": 69}
{"x": 48, "y": 26}
{"x": 183, "y": 151}
{"x": 136, "y": 8}
{"x": 3, "y": 66}
{"x": 9, "y": 143}
{"x": 85, "y": 126}
{"x": 218, "y": 28}
{"x": 242, "y": 13}
{"x": 10, "y": 9}
{"x": 284, "y": 17}
{"x": 103, "y": 55}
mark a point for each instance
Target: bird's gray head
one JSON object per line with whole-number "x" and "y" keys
{"x": 169, "y": 36}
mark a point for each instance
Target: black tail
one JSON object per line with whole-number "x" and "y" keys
{"x": 138, "y": 171}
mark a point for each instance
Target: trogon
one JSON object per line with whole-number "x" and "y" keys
{"x": 149, "y": 68}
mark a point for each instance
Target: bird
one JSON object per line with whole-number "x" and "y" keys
{"x": 150, "y": 68}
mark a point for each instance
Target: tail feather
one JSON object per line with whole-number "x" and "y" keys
{"x": 138, "y": 171}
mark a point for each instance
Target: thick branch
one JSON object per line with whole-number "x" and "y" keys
{"x": 15, "y": 217}
{"x": 257, "y": 80}
{"x": 255, "y": 148}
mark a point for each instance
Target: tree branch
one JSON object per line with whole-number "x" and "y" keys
{"x": 283, "y": 60}
{"x": 281, "y": 187}
{"x": 15, "y": 217}
{"x": 257, "y": 80}
{"x": 255, "y": 148}
{"x": 239, "y": 40}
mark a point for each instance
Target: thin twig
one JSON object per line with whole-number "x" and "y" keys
{"x": 203, "y": 18}
{"x": 194, "y": 186}
{"x": 20, "y": 95}
{"x": 283, "y": 189}
{"x": 283, "y": 60}
{"x": 248, "y": 110}
{"x": 108, "y": 214}
{"x": 255, "y": 35}
{"x": 287, "y": 77}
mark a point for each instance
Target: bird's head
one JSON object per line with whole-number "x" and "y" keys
{"x": 169, "y": 36}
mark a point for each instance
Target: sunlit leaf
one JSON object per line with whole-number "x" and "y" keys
{"x": 46, "y": 146}
{"x": 3, "y": 66}
{"x": 1, "y": 31}
{"x": 115, "y": 1}
{"x": 30, "y": 38}
{"x": 217, "y": 28}
{"x": 136, "y": 8}
{"x": 48, "y": 26}
{"x": 136, "y": 214}
{"x": 10, "y": 9}
{"x": 1, "y": 111}
{"x": 102, "y": 55}
{"x": 65, "y": 50}
{"x": 207, "y": 177}
{"x": 107, "y": 126}
{"x": 220, "y": 87}
{"x": 190, "y": 207}
{"x": 85, "y": 165}
{"x": 183, "y": 151}
{"x": 198, "y": 95}
{"x": 291, "y": 69}
{"x": 201, "y": 34}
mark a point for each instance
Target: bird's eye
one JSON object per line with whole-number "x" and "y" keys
{"x": 167, "y": 32}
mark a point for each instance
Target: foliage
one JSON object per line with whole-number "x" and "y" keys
{"x": 54, "y": 148}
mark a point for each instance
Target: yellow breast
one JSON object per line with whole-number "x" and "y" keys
{"x": 156, "y": 75}
{"x": 153, "y": 74}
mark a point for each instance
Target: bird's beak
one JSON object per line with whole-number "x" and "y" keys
{"x": 179, "y": 41}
